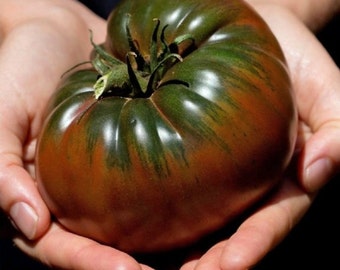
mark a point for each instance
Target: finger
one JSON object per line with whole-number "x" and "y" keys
{"x": 210, "y": 260}
{"x": 265, "y": 229}
{"x": 62, "y": 249}
{"x": 316, "y": 82}
{"x": 320, "y": 158}
{"x": 19, "y": 197}
{"x": 189, "y": 265}
{"x": 316, "y": 79}
{"x": 317, "y": 86}
{"x": 22, "y": 202}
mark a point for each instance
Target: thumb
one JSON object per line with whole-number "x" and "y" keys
{"x": 19, "y": 197}
{"x": 316, "y": 83}
{"x": 320, "y": 158}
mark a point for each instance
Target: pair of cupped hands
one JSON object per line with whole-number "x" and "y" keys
{"x": 41, "y": 39}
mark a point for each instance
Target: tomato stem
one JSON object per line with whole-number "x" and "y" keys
{"x": 121, "y": 79}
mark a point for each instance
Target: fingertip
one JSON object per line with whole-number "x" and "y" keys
{"x": 317, "y": 174}
{"x": 22, "y": 203}
{"x": 320, "y": 158}
{"x": 189, "y": 265}
{"x": 234, "y": 257}
{"x": 27, "y": 220}
{"x": 24, "y": 219}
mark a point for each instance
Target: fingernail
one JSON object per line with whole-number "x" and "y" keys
{"x": 318, "y": 173}
{"x": 24, "y": 218}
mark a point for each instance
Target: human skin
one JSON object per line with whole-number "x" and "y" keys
{"x": 37, "y": 47}
{"x": 293, "y": 23}
{"x": 312, "y": 13}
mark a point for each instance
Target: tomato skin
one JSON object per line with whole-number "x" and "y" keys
{"x": 150, "y": 174}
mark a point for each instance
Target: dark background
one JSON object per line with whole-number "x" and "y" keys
{"x": 313, "y": 243}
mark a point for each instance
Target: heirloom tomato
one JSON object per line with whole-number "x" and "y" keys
{"x": 186, "y": 119}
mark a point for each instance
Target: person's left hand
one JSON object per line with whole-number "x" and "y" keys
{"x": 316, "y": 82}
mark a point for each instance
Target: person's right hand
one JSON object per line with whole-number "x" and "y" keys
{"x": 39, "y": 41}
{"x": 316, "y": 84}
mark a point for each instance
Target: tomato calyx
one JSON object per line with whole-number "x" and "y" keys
{"x": 138, "y": 76}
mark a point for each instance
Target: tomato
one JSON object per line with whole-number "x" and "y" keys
{"x": 186, "y": 120}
